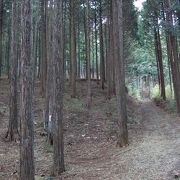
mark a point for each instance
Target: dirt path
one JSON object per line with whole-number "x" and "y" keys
{"x": 153, "y": 153}
{"x": 90, "y": 143}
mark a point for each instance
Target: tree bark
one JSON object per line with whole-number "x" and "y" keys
{"x": 110, "y": 59}
{"x": 120, "y": 73}
{"x": 27, "y": 170}
{"x": 58, "y": 68}
{"x": 102, "y": 64}
{"x": 72, "y": 50}
{"x": 13, "y": 134}
{"x": 96, "y": 39}
{"x": 87, "y": 40}
{"x": 160, "y": 61}
{"x": 1, "y": 33}
{"x": 43, "y": 46}
{"x": 173, "y": 56}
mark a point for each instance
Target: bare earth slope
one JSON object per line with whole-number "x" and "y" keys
{"x": 153, "y": 153}
{"x": 90, "y": 143}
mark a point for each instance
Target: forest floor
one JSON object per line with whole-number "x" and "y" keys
{"x": 90, "y": 140}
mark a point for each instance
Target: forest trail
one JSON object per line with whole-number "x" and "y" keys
{"x": 90, "y": 143}
{"x": 153, "y": 153}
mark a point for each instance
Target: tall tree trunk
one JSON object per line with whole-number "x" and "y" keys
{"x": 173, "y": 55}
{"x": 58, "y": 68}
{"x": 72, "y": 50}
{"x": 43, "y": 47}
{"x": 96, "y": 41}
{"x": 110, "y": 59}
{"x": 79, "y": 52}
{"x": 168, "y": 53}
{"x": 27, "y": 169}
{"x": 120, "y": 73}
{"x": 93, "y": 54}
{"x": 13, "y": 134}
{"x": 161, "y": 68}
{"x": 1, "y": 33}
{"x": 87, "y": 40}
{"x": 49, "y": 83}
{"x": 102, "y": 63}
{"x": 160, "y": 61}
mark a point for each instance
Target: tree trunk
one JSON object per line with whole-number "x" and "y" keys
{"x": 49, "y": 83}
{"x": 27, "y": 130}
{"x": 43, "y": 46}
{"x": 87, "y": 40}
{"x": 79, "y": 51}
{"x": 102, "y": 64}
{"x": 120, "y": 73}
{"x": 173, "y": 55}
{"x": 96, "y": 41}
{"x": 72, "y": 50}
{"x": 58, "y": 68}
{"x": 1, "y": 33}
{"x": 160, "y": 61}
{"x": 110, "y": 59}
{"x": 13, "y": 134}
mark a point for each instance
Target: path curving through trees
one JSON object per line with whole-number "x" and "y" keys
{"x": 153, "y": 153}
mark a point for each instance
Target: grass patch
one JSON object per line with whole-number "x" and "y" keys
{"x": 170, "y": 105}
{"x": 48, "y": 148}
{"x": 75, "y": 104}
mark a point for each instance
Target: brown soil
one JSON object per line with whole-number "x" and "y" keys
{"x": 90, "y": 140}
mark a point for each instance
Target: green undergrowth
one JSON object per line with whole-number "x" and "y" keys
{"x": 74, "y": 104}
{"x": 48, "y": 148}
{"x": 168, "y": 105}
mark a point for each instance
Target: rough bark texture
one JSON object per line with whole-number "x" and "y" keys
{"x": 96, "y": 41}
{"x": 72, "y": 50}
{"x": 1, "y": 31}
{"x": 159, "y": 61}
{"x": 102, "y": 64}
{"x": 43, "y": 46}
{"x": 27, "y": 129}
{"x": 58, "y": 68}
{"x": 110, "y": 59}
{"x": 12, "y": 133}
{"x": 49, "y": 83}
{"x": 173, "y": 55}
{"x": 87, "y": 39}
{"x": 120, "y": 73}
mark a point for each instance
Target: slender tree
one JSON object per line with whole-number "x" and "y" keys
{"x": 119, "y": 72}
{"x": 13, "y": 134}
{"x": 1, "y": 32}
{"x": 102, "y": 64}
{"x": 43, "y": 45}
{"x": 173, "y": 53}
{"x": 158, "y": 50}
{"x": 87, "y": 40}
{"x": 27, "y": 130}
{"x": 72, "y": 49}
{"x": 96, "y": 41}
{"x": 58, "y": 67}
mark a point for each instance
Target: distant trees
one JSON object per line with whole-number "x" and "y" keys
{"x": 173, "y": 45}
{"x": 92, "y": 40}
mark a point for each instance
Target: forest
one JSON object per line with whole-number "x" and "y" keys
{"x": 89, "y": 89}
